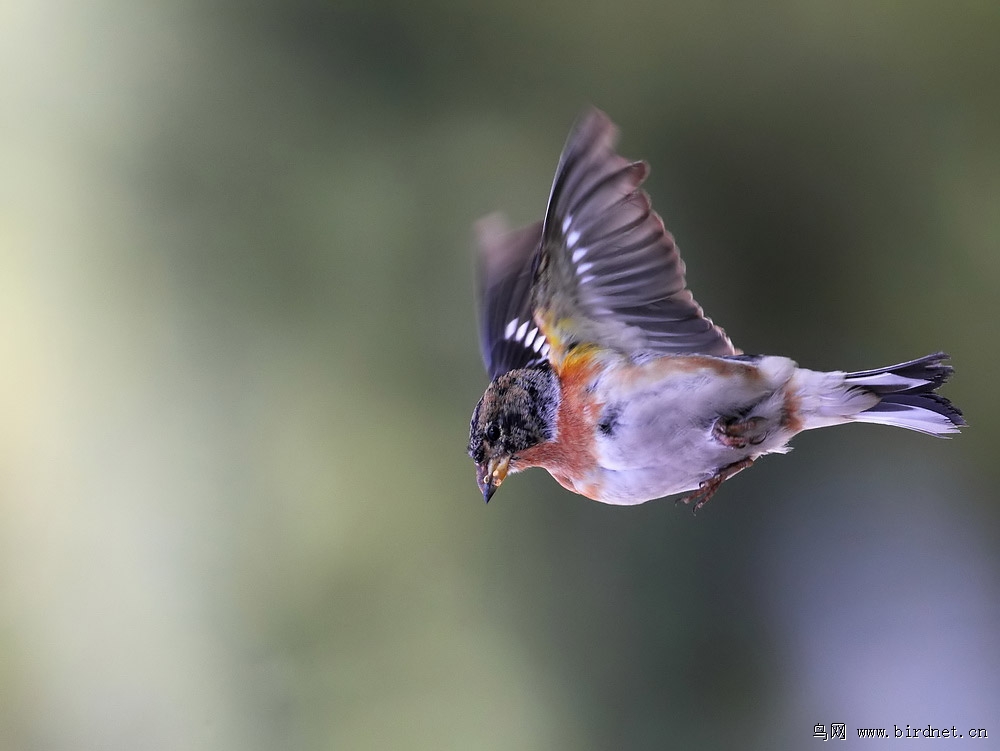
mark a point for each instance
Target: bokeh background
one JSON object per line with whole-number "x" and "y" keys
{"x": 239, "y": 356}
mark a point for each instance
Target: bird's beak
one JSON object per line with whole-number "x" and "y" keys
{"x": 490, "y": 476}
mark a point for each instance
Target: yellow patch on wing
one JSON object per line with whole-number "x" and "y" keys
{"x": 570, "y": 357}
{"x": 579, "y": 362}
{"x": 556, "y": 335}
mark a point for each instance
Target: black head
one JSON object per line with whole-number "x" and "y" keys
{"x": 516, "y": 413}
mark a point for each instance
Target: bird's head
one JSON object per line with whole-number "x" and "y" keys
{"x": 517, "y": 412}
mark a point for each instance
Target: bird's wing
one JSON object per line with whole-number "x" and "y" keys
{"x": 508, "y": 336}
{"x": 607, "y": 271}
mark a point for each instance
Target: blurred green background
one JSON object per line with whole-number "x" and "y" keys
{"x": 239, "y": 357}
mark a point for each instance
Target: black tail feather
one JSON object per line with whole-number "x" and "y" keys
{"x": 907, "y": 395}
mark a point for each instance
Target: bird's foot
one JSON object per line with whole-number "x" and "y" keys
{"x": 738, "y": 433}
{"x": 707, "y": 489}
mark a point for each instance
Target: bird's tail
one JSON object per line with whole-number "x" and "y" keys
{"x": 907, "y": 396}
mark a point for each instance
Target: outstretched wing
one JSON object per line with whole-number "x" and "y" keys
{"x": 608, "y": 272}
{"x": 508, "y": 336}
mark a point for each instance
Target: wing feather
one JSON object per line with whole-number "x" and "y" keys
{"x": 601, "y": 268}
{"x": 608, "y": 271}
{"x": 508, "y": 336}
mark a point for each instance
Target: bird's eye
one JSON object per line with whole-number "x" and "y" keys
{"x": 492, "y": 432}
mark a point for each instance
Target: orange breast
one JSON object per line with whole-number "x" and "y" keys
{"x": 571, "y": 458}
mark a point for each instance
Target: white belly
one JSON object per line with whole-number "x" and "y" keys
{"x": 662, "y": 442}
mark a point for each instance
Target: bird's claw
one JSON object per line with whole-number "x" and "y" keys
{"x": 707, "y": 488}
{"x": 702, "y": 495}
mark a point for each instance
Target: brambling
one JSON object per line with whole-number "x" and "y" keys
{"x": 607, "y": 373}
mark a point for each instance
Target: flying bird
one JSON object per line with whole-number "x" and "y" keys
{"x": 606, "y": 372}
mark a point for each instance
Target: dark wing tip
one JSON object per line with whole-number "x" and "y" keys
{"x": 507, "y": 335}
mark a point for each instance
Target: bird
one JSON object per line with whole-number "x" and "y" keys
{"x": 605, "y": 371}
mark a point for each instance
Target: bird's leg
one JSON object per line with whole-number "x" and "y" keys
{"x": 707, "y": 489}
{"x": 739, "y": 432}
